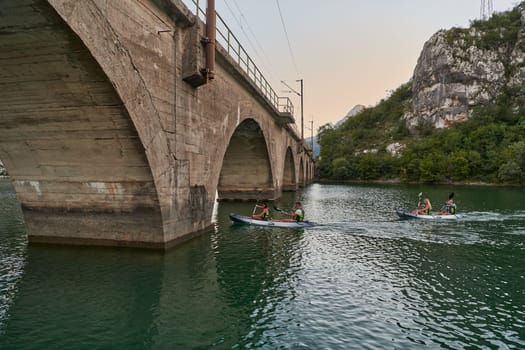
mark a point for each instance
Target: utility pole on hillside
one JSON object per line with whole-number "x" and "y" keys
{"x": 312, "y": 133}
{"x": 486, "y": 9}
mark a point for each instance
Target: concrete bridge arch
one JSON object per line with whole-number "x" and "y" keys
{"x": 289, "y": 174}
{"x": 111, "y": 145}
{"x": 248, "y": 170}
{"x": 246, "y": 167}
{"x": 302, "y": 181}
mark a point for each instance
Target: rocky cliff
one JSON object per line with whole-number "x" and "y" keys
{"x": 460, "y": 69}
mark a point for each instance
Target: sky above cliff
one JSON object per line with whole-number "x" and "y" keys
{"x": 348, "y": 52}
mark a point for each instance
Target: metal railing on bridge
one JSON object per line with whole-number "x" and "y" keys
{"x": 234, "y": 48}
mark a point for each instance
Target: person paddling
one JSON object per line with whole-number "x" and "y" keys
{"x": 298, "y": 213}
{"x": 450, "y": 207}
{"x": 424, "y": 208}
{"x": 264, "y": 214}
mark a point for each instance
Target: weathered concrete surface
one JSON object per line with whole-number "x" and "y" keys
{"x": 66, "y": 137}
{"x": 106, "y": 142}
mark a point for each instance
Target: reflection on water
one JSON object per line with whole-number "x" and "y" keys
{"x": 12, "y": 247}
{"x": 362, "y": 279}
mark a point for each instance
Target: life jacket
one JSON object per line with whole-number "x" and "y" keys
{"x": 451, "y": 208}
{"x": 299, "y": 217}
{"x": 266, "y": 215}
{"x": 428, "y": 209}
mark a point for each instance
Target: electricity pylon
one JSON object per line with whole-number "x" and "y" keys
{"x": 486, "y": 9}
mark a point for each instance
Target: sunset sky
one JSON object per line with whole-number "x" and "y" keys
{"x": 348, "y": 52}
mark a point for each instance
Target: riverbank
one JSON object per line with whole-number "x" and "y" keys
{"x": 400, "y": 182}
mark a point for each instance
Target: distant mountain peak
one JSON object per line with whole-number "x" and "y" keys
{"x": 353, "y": 112}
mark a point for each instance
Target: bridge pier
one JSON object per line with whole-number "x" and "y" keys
{"x": 140, "y": 228}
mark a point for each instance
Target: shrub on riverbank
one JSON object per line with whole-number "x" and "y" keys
{"x": 489, "y": 147}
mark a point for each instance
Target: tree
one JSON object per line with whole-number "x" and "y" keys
{"x": 513, "y": 170}
{"x": 510, "y": 172}
{"x": 459, "y": 166}
{"x": 339, "y": 168}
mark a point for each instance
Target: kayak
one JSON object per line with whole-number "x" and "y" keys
{"x": 409, "y": 215}
{"x": 269, "y": 223}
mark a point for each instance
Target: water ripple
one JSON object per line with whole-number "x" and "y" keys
{"x": 12, "y": 249}
{"x": 361, "y": 280}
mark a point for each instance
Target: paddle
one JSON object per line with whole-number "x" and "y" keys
{"x": 278, "y": 209}
{"x": 281, "y": 210}
{"x": 256, "y": 202}
{"x": 418, "y": 203}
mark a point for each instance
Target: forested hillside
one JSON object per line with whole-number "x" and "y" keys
{"x": 462, "y": 138}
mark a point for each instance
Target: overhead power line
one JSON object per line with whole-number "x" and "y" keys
{"x": 287, "y": 38}
{"x": 240, "y": 19}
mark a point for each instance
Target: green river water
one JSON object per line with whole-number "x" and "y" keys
{"x": 362, "y": 279}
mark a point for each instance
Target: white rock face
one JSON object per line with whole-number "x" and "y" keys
{"x": 517, "y": 55}
{"x": 395, "y": 149}
{"x": 452, "y": 78}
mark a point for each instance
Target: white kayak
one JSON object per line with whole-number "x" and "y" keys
{"x": 409, "y": 215}
{"x": 269, "y": 223}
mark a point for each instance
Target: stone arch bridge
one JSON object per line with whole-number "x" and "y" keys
{"x": 112, "y": 136}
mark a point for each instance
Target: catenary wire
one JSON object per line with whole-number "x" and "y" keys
{"x": 287, "y": 38}
{"x": 239, "y": 19}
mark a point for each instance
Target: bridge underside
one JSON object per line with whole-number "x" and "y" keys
{"x": 246, "y": 171}
{"x": 72, "y": 152}
{"x": 289, "y": 183}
